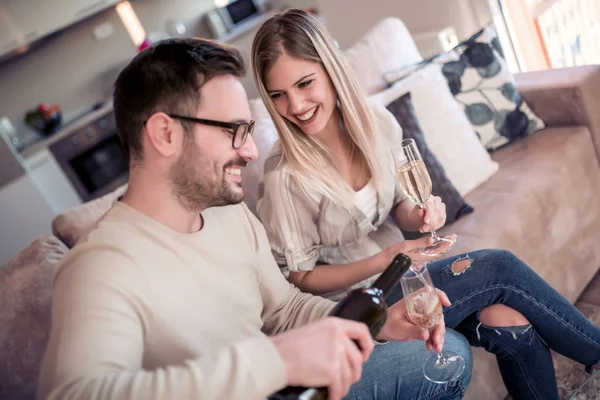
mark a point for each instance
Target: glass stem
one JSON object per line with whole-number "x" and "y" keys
{"x": 433, "y": 233}
{"x": 441, "y": 360}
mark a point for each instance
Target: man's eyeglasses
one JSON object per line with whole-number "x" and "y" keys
{"x": 240, "y": 130}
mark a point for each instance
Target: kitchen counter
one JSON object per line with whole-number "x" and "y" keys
{"x": 44, "y": 143}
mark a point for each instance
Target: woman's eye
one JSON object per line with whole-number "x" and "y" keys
{"x": 305, "y": 83}
{"x": 275, "y": 96}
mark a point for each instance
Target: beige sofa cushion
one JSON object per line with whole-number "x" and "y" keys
{"x": 25, "y": 303}
{"x": 71, "y": 225}
{"x": 542, "y": 205}
{"x": 386, "y": 47}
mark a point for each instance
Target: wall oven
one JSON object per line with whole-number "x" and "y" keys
{"x": 93, "y": 158}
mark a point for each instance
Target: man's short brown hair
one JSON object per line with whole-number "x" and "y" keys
{"x": 168, "y": 77}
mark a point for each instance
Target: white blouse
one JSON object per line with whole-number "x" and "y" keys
{"x": 366, "y": 201}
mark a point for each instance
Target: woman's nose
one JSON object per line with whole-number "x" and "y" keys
{"x": 295, "y": 104}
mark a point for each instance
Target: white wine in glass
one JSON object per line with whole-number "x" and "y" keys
{"x": 416, "y": 184}
{"x": 425, "y": 310}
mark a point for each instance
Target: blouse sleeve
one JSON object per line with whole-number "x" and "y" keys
{"x": 289, "y": 216}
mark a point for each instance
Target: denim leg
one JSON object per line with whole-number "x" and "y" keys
{"x": 394, "y": 371}
{"x": 523, "y": 358}
{"x": 499, "y": 277}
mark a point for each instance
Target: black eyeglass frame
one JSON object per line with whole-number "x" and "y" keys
{"x": 234, "y": 126}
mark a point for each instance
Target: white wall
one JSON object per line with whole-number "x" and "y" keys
{"x": 24, "y": 216}
{"x": 348, "y": 20}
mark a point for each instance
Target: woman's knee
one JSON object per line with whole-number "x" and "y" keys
{"x": 501, "y": 264}
{"x": 499, "y": 315}
{"x": 497, "y": 256}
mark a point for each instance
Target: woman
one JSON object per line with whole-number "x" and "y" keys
{"x": 329, "y": 188}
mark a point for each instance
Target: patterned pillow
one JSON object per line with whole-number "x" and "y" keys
{"x": 402, "y": 108}
{"x": 479, "y": 79}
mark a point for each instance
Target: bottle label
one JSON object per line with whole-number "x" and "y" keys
{"x": 308, "y": 394}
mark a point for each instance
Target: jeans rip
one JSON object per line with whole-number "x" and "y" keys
{"x": 515, "y": 331}
{"x": 458, "y": 266}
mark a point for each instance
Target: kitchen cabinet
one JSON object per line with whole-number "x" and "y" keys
{"x": 51, "y": 181}
{"x": 25, "y": 21}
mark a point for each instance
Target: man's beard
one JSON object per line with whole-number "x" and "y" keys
{"x": 195, "y": 181}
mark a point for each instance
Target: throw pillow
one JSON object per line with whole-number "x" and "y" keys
{"x": 73, "y": 224}
{"x": 370, "y": 57}
{"x": 447, "y": 131}
{"x": 481, "y": 82}
{"x": 402, "y": 108}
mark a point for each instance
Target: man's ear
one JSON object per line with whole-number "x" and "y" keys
{"x": 164, "y": 134}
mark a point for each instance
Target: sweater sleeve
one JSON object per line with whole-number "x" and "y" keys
{"x": 100, "y": 312}
{"x": 285, "y": 306}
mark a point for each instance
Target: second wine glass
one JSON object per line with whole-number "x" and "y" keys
{"x": 416, "y": 184}
{"x": 425, "y": 310}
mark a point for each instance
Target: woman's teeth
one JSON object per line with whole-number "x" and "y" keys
{"x": 308, "y": 115}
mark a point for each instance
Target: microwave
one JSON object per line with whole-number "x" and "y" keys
{"x": 224, "y": 19}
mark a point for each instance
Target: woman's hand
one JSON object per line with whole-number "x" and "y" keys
{"x": 408, "y": 247}
{"x": 432, "y": 217}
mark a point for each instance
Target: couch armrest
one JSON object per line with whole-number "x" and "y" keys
{"x": 25, "y": 305}
{"x": 565, "y": 97}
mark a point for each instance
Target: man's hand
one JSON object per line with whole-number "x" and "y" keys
{"x": 323, "y": 354}
{"x": 433, "y": 217}
{"x": 400, "y": 327}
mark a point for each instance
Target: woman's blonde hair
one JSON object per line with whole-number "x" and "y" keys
{"x": 300, "y": 34}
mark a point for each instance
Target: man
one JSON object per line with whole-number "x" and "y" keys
{"x": 175, "y": 293}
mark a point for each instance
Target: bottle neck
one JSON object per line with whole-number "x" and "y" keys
{"x": 391, "y": 276}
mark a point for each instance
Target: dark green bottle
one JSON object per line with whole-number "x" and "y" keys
{"x": 364, "y": 305}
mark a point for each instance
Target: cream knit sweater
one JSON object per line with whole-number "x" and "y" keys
{"x": 143, "y": 312}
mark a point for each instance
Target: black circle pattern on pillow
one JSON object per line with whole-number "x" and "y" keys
{"x": 498, "y": 47}
{"x": 453, "y": 71}
{"x": 516, "y": 124}
{"x": 509, "y": 91}
{"x": 479, "y": 55}
{"x": 490, "y": 71}
{"x": 479, "y": 113}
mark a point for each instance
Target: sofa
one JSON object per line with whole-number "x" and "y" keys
{"x": 541, "y": 204}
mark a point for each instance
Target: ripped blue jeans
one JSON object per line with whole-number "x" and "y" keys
{"x": 522, "y": 353}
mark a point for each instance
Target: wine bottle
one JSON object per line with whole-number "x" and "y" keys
{"x": 365, "y": 305}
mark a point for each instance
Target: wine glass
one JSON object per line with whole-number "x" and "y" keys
{"x": 425, "y": 310}
{"x": 416, "y": 184}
